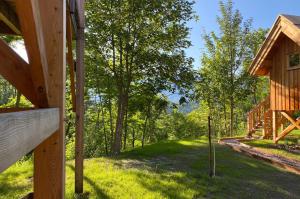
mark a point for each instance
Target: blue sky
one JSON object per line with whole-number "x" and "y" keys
{"x": 263, "y": 13}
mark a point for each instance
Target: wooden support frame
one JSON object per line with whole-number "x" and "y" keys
{"x": 49, "y": 156}
{"x": 32, "y": 30}
{"x": 79, "y": 111}
{"x": 79, "y": 97}
{"x": 71, "y": 61}
{"x": 15, "y": 70}
{"x": 21, "y": 132}
{"x": 294, "y": 124}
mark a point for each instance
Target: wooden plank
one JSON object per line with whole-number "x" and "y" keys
{"x": 70, "y": 61}
{"x": 79, "y": 111}
{"x": 15, "y": 70}
{"x": 49, "y": 157}
{"x": 21, "y": 132}
{"x": 9, "y": 17}
{"x": 30, "y": 20}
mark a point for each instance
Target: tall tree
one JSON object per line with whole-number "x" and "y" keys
{"x": 140, "y": 43}
{"x": 224, "y": 81}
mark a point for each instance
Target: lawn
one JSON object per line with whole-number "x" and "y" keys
{"x": 173, "y": 169}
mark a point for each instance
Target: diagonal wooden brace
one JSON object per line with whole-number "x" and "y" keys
{"x": 294, "y": 124}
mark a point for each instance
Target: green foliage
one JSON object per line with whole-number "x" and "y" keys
{"x": 224, "y": 83}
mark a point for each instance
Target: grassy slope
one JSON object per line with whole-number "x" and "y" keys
{"x": 174, "y": 169}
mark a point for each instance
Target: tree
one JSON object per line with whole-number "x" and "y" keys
{"x": 139, "y": 44}
{"x": 224, "y": 81}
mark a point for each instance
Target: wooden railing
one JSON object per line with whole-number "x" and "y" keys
{"x": 260, "y": 117}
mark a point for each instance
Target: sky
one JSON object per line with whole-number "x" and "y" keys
{"x": 263, "y": 13}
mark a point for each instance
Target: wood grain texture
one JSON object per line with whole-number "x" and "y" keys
{"x": 15, "y": 70}
{"x": 284, "y": 89}
{"x": 80, "y": 13}
{"x": 49, "y": 157}
{"x": 21, "y": 132}
{"x": 32, "y": 30}
{"x": 79, "y": 111}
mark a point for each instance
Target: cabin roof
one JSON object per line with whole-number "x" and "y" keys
{"x": 287, "y": 25}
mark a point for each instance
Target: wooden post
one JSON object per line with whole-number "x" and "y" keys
{"x": 210, "y": 149}
{"x": 49, "y": 157}
{"x": 274, "y": 123}
{"x": 79, "y": 111}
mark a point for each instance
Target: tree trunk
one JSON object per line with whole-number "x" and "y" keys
{"x": 104, "y": 131}
{"x": 144, "y": 131}
{"x": 18, "y": 99}
{"x": 125, "y": 129}
{"x": 231, "y": 115}
{"x": 122, "y": 104}
{"x": 133, "y": 137}
{"x": 111, "y": 125}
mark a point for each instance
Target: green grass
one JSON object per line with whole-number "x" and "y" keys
{"x": 268, "y": 146}
{"x": 173, "y": 169}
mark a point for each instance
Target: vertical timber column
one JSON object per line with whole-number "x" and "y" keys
{"x": 49, "y": 156}
{"x": 79, "y": 111}
{"x": 274, "y": 127}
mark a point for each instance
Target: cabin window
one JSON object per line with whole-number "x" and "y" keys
{"x": 294, "y": 60}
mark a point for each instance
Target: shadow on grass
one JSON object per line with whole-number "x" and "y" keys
{"x": 93, "y": 184}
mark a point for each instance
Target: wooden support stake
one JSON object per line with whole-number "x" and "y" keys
{"x": 210, "y": 149}
{"x": 79, "y": 111}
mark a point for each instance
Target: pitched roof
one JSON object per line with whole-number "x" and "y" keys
{"x": 285, "y": 24}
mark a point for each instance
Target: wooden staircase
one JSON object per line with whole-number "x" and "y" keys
{"x": 260, "y": 118}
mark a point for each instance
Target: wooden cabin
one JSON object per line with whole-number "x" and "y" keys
{"x": 47, "y": 28}
{"x": 279, "y": 59}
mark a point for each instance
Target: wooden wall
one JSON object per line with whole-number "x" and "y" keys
{"x": 285, "y": 84}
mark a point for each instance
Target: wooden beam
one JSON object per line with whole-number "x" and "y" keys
{"x": 9, "y": 110}
{"x": 274, "y": 125}
{"x": 9, "y": 17}
{"x": 32, "y": 30}
{"x": 49, "y": 157}
{"x": 80, "y": 13}
{"x": 287, "y": 116}
{"x": 15, "y": 70}
{"x": 21, "y": 132}
{"x": 79, "y": 111}
{"x": 71, "y": 61}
